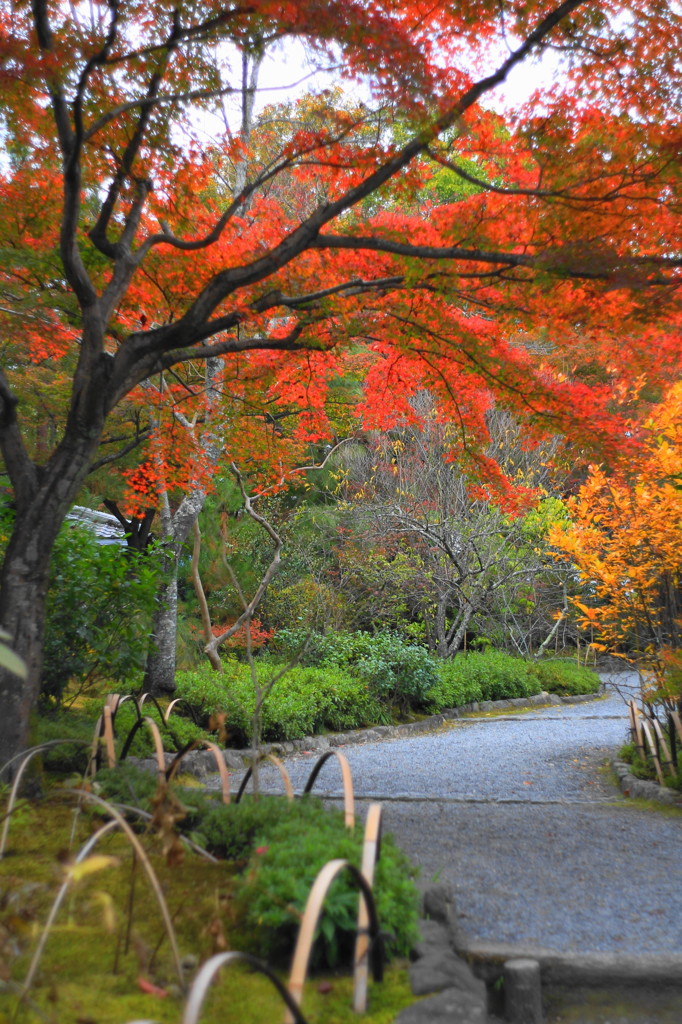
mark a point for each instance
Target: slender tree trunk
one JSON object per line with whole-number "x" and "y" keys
{"x": 440, "y": 627}
{"x": 159, "y": 675}
{"x": 175, "y": 528}
{"x": 207, "y": 627}
{"x": 455, "y": 641}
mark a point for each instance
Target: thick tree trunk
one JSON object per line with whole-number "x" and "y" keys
{"x": 22, "y": 612}
{"x": 450, "y": 638}
{"x": 24, "y": 582}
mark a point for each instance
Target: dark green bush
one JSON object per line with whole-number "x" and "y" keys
{"x": 128, "y": 784}
{"x": 272, "y": 891}
{"x": 175, "y": 735}
{"x": 65, "y": 725}
{"x": 230, "y": 830}
{"x": 99, "y": 606}
{"x": 565, "y": 677}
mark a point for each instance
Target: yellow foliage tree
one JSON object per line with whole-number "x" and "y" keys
{"x": 625, "y": 540}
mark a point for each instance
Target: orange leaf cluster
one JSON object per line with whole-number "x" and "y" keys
{"x": 625, "y": 539}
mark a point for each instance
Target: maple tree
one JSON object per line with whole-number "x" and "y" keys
{"x": 553, "y": 261}
{"x": 625, "y": 538}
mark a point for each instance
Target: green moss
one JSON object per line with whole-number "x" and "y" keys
{"x": 86, "y": 973}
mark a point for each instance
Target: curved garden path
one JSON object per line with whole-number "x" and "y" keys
{"x": 518, "y": 815}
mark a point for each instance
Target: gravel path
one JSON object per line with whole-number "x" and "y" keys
{"x": 519, "y": 817}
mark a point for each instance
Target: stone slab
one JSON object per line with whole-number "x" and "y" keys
{"x": 449, "y": 1007}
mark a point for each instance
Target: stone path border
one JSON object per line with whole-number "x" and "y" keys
{"x": 449, "y": 970}
{"x": 642, "y": 789}
{"x": 202, "y": 762}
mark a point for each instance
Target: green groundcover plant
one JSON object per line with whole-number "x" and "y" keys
{"x": 277, "y": 848}
{"x": 644, "y": 768}
{"x": 272, "y": 891}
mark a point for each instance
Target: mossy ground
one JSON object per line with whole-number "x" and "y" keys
{"x": 105, "y": 941}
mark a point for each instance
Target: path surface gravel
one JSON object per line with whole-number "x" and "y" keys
{"x": 519, "y": 816}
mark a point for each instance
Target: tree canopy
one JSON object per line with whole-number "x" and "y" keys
{"x": 133, "y": 247}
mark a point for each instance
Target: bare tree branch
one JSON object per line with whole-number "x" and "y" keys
{"x": 125, "y": 450}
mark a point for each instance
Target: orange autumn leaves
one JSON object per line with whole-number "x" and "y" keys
{"x": 625, "y": 539}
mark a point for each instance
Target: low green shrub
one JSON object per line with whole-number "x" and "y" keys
{"x": 65, "y": 725}
{"x": 230, "y": 831}
{"x": 280, "y": 847}
{"x": 565, "y": 677}
{"x": 304, "y": 701}
{"x": 500, "y": 675}
{"x": 272, "y": 891}
{"x": 175, "y": 735}
{"x": 229, "y": 692}
{"x": 454, "y": 688}
{"x": 399, "y": 673}
{"x": 484, "y": 675}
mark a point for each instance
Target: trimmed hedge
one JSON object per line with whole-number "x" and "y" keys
{"x": 302, "y": 702}
{"x": 330, "y": 698}
{"x": 484, "y": 675}
{"x": 335, "y": 698}
{"x": 565, "y": 677}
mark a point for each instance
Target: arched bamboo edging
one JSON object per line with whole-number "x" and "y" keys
{"x": 311, "y": 915}
{"x": 27, "y": 756}
{"x": 675, "y": 715}
{"x": 108, "y": 722}
{"x": 179, "y": 700}
{"x": 104, "y": 730}
{"x": 119, "y": 700}
{"x": 209, "y": 970}
{"x": 156, "y": 736}
{"x": 371, "y": 851}
{"x": 347, "y": 778}
{"x": 219, "y": 760}
{"x": 289, "y": 789}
